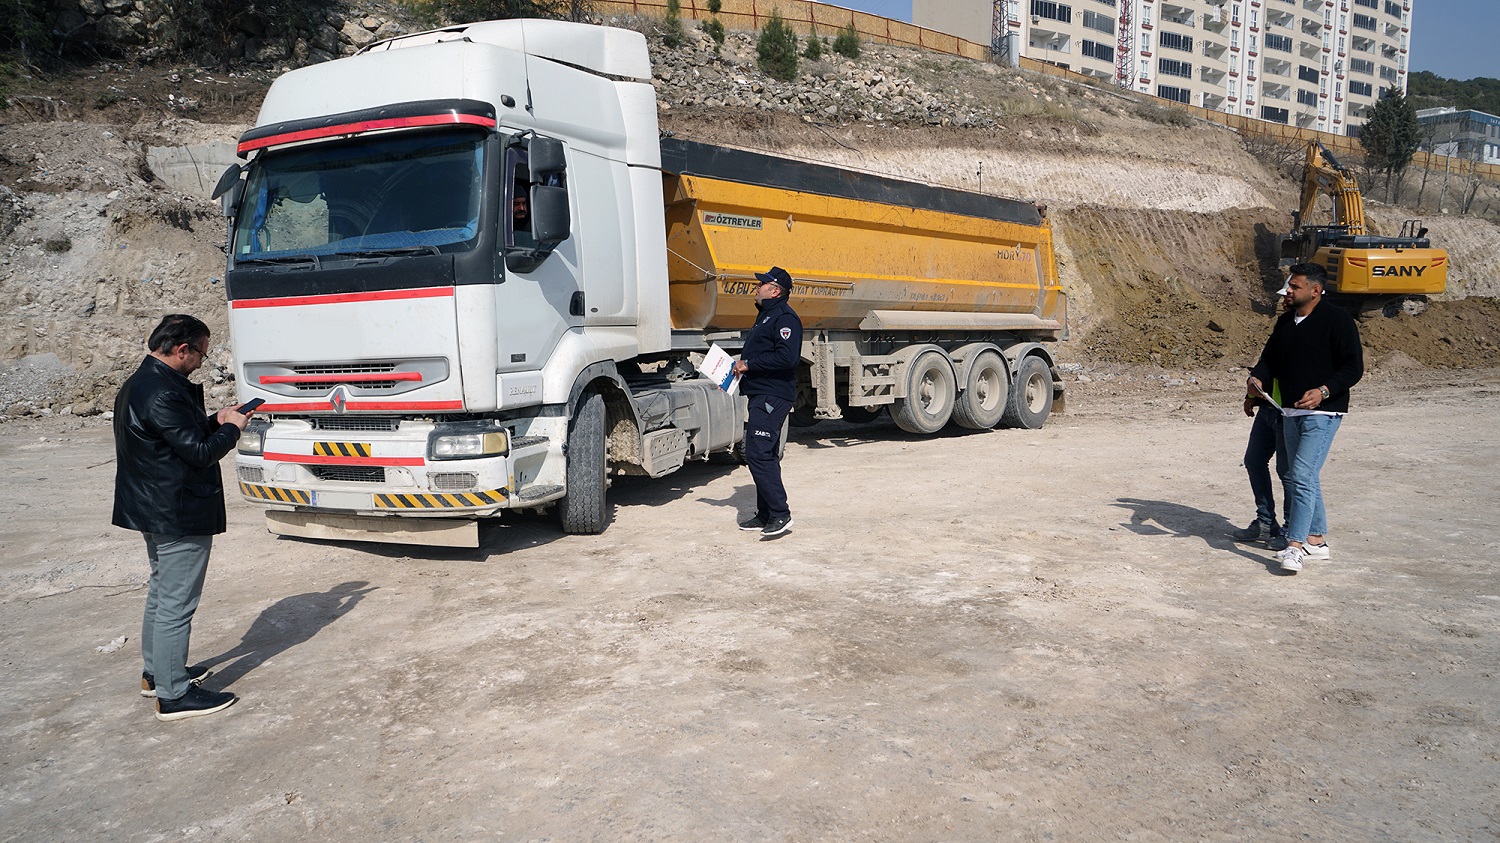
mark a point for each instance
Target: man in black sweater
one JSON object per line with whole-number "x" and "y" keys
{"x": 768, "y": 370}
{"x": 1315, "y": 356}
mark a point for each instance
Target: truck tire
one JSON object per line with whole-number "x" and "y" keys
{"x": 986, "y": 391}
{"x": 582, "y": 509}
{"x": 930, "y": 390}
{"x": 1030, "y": 401}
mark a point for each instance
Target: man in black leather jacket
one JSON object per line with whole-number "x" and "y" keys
{"x": 768, "y": 377}
{"x": 168, "y": 486}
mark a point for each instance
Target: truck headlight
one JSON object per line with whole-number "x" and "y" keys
{"x": 253, "y": 440}
{"x": 467, "y": 446}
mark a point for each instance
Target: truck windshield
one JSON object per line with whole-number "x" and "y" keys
{"x": 376, "y": 194}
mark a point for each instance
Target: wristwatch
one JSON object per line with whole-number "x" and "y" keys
{"x": 1324, "y": 390}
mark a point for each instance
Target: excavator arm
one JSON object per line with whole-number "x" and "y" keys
{"x": 1323, "y": 174}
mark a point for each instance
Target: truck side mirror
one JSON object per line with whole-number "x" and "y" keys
{"x": 551, "y": 221}
{"x": 229, "y": 189}
{"x": 546, "y": 158}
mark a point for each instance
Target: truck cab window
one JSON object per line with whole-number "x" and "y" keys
{"x": 401, "y": 191}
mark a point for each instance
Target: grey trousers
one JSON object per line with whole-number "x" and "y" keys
{"x": 178, "y": 566}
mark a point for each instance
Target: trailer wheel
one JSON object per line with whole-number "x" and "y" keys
{"x": 930, "y": 390}
{"x": 1030, "y": 401}
{"x": 582, "y": 509}
{"x": 986, "y": 391}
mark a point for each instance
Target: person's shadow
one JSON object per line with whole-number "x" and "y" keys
{"x": 285, "y": 624}
{"x": 1163, "y": 518}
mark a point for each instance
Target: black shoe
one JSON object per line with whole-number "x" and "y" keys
{"x": 756, "y": 523}
{"x": 195, "y": 703}
{"x": 196, "y": 675}
{"x": 776, "y": 526}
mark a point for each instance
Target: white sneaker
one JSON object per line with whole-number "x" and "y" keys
{"x": 1291, "y": 558}
{"x": 1315, "y": 551}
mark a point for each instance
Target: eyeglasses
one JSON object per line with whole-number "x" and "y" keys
{"x": 202, "y": 352}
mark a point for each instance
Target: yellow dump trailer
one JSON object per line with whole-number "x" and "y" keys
{"x": 929, "y": 299}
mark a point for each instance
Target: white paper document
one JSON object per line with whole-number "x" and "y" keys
{"x": 718, "y": 367}
{"x": 1269, "y": 399}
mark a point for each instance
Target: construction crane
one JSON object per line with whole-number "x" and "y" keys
{"x": 1125, "y": 50}
{"x": 1001, "y": 45}
{"x": 1367, "y": 270}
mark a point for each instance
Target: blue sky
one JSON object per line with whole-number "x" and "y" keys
{"x": 1456, "y": 38}
{"x": 1459, "y": 39}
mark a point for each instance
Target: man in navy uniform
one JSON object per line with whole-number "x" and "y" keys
{"x": 768, "y": 378}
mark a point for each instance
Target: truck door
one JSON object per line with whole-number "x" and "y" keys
{"x": 540, "y": 297}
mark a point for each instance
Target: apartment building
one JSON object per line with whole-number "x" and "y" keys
{"x": 1318, "y": 64}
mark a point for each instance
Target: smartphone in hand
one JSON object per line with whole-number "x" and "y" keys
{"x": 249, "y": 406}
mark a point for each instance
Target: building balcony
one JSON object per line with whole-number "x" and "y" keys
{"x": 1211, "y": 75}
{"x": 1180, "y": 15}
{"x": 1280, "y": 93}
{"x": 1276, "y": 67}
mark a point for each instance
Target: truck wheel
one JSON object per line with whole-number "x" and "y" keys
{"x": 1030, "y": 401}
{"x": 930, "y": 389}
{"x": 582, "y": 508}
{"x": 982, "y": 402}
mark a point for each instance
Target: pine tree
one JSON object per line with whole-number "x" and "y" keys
{"x": 1391, "y": 136}
{"x": 847, "y": 42}
{"x": 672, "y": 35}
{"x": 776, "y": 51}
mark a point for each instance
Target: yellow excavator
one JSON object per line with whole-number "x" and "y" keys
{"x": 1368, "y": 271}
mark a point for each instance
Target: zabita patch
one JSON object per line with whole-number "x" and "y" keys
{"x": 786, "y": 333}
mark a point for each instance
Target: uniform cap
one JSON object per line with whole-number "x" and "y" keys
{"x": 778, "y": 276}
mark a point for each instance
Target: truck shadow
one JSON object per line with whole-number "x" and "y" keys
{"x": 285, "y": 624}
{"x": 690, "y": 479}
{"x": 841, "y": 434}
{"x": 1162, "y": 518}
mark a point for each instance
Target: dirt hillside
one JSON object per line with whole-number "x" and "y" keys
{"x": 1166, "y": 227}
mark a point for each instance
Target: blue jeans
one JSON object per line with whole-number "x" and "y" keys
{"x": 1265, "y": 442}
{"x": 178, "y": 567}
{"x": 1308, "y": 439}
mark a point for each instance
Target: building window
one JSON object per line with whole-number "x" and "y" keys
{"x": 1098, "y": 22}
{"x": 1362, "y": 66}
{"x": 1282, "y": 43}
{"x": 1172, "y": 67}
{"x": 1275, "y": 115}
{"x": 1364, "y": 22}
{"x": 1167, "y": 92}
{"x": 1055, "y": 11}
{"x": 1307, "y": 97}
{"x": 1360, "y": 89}
{"x": 1176, "y": 41}
{"x": 1102, "y": 52}
{"x": 1308, "y": 74}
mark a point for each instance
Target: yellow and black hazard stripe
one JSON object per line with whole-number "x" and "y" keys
{"x": 341, "y": 449}
{"x": 271, "y": 493}
{"x": 453, "y": 501}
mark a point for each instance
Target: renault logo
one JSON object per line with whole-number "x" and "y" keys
{"x": 339, "y": 399}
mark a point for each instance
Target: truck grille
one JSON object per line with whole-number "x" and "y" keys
{"x": 319, "y": 377}
{"x": 355, "y": 423}
{"x": 453, "y": 481}
{"x": 250, "y": 474}
{"x": 349, "y": 473}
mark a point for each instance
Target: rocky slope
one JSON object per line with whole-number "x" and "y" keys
{"x": 1166, "y": 226}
